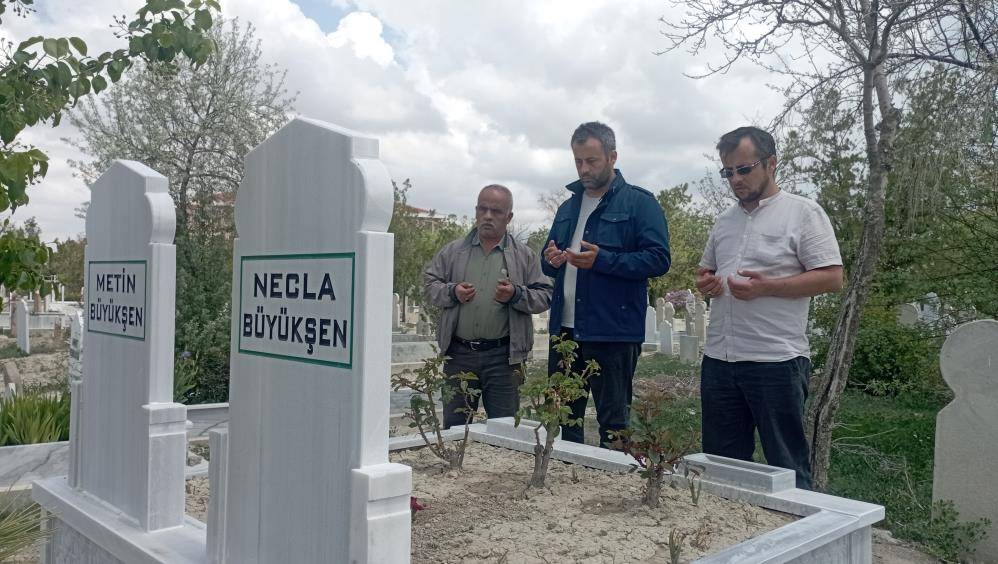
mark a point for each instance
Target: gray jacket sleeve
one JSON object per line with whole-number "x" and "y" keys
{"x": 437, "y": 289}
{"x": 534, "y": 296}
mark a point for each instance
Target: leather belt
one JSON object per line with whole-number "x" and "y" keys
{"x": 479, "y": 345}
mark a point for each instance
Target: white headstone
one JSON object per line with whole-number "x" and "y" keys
{"x": 396, "y": 313}
{"x": 965, "y": 459}
{"x": 62, "y": 293}
{"x": 665, "y": 339}
{"x": 700, "y": 320}
{"x": 23, "y": 328}
{"x": 659, "y": 310}
{"x": 689, "y": 348}
{"x": 651, "y": 326}
{"x": 131, "y": 439}
{"x": 929, "y": 311}
{"x": 669, "y": 313}
{"x": 309, "y": 478}
{"x": 908, "y": 315}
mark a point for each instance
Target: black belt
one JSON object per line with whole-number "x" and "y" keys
{"x": 479, "y": 345}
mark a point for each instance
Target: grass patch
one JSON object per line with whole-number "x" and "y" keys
{"x": 10, "y": 350}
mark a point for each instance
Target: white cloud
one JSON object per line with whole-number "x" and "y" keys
{"x": 463, "y": 94}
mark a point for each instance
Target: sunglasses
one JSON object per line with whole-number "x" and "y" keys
{"x": 743, "y": 170}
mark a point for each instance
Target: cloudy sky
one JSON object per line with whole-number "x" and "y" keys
{"x": 461, "y": 93}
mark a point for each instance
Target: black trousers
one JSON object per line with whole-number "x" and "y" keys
{"x": 740, "y": 397}
{"x": 497, "y": 379}
{"x": 612, "y": 388}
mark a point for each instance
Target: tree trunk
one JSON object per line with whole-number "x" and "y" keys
{"x": 542, "y": 456}
{"x": 827, "y": 391}
{"x": 653, "y": 489}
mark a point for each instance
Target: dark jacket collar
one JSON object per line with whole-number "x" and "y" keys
{"x": 618, "y": 181}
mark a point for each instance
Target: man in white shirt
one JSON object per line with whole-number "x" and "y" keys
{"x": 766, "y": 257}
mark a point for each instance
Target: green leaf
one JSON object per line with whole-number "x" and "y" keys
{"x": 79, "y": 45}
{"x": 202, "y": 19}
{"x": 21, "y": 57}
{"x": 29, "y": 42}
{"x": 98, "y": 83}
{"x": 62, "y": 46}
{"x": 51, "y": 47}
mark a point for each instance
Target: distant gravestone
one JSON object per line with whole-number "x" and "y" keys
{"x": 659, "y": 310}
{"x": 23, "y": 328}
{"x": 665, "y": 345}
{"x": 908, "y": 315}
{"x": 700, "y": 320}
{"x": 396, "y": 313}
{"x": 689, "y": 348}
{"x": 669, "y": 314}
{"x": 929, "y": 311}
{"x": 651, "y": 326}
{"x": 965, "y": 457}
{"x": 308, "y": 472}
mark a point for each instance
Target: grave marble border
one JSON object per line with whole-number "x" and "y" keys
{"x": 291, "y": 256}
{"x": 145, "y": 298}
{"x": 831, "y": 529}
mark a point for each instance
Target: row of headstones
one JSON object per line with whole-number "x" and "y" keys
{"x": 39, "y": 306}
{"x": 929, "y": 311}
{"x": 301, "y": 474}
{"x": 411, "y": 319}
{"x": 661, "y": 331}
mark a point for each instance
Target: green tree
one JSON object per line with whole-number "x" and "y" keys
{"x": 43, "y": 76}
{"x": 194, "y": 124}
{"x": 689, "y": 227}
{"x": 66, "y": 264}
{"x": 864, "y": 48}
{"x": 418, "y": 237}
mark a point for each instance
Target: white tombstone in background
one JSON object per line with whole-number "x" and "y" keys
{"x": 929, "y": 311}
{"x": 669, "y": 314}
{"x": 665, "y": 339}
{"x": 308, "y": 474}
{"x": 396, "y": 313}
{"x": 125, "y": 490}
{"x": 659, "y": 310}
{"x": 651, "y": 326}
{"x": 908, "y": 314}
{"x": 689, "y": 348}
{"x": 62, "y": 293}
{"x": 700, "y": 320}
{"x": 966, "y": 454}
{"x": 23, "y": 328}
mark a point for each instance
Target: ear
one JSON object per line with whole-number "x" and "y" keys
{"x": 613, "y": 157}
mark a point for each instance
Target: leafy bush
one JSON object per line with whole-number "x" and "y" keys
{"x": 549, "y": 402}
{"x": 203, "y": 354}
{"x": 652, "y": 442}
{"x": 429, "y": 383}
{"x": 34, "y": 417}
{"x": 890, "y": 358}
{"x": 948, "y": 538}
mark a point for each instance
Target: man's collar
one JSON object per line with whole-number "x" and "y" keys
{"x": 764, "y": 202}
{"x": 477, "y": 241}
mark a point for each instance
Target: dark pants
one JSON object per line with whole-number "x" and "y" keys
{"x": 612, "y": 387}
{"x": 497, "y": 379}
{"x": 740, "y": 397}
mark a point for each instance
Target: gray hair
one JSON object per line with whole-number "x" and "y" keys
{"x": 763, "y": 142}
{"x": 598, "y": 131}
{"x": 502, "y": 189}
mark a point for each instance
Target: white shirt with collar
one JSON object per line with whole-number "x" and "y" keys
{"x": 784, "y": 236}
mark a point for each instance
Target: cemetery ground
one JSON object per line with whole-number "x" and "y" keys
{"x": 883, "y": 454}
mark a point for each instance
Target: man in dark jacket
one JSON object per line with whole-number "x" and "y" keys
{"x": 487, "y": 284}
{"x": 606, "y": 241}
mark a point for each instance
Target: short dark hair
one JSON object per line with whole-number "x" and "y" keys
{"x": 598, "y": 131}
{"x": 763, "y": 142}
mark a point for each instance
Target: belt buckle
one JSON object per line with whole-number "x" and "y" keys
{"x": 473, "y": 345}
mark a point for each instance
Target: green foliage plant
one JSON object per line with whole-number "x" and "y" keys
{"x": 948, "y": 538}
{"x": 653, "y": 442}
{"x": 676, "y": 538}
{"x": 33, "y": 417}
{"x": 549, "y": 403}
{"x": 429, "y": 383}
{"x": 41, "y": 77}
{"x": 20, "y": 526}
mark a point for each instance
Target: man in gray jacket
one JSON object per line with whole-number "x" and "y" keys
{"x": 487, "y": 285}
